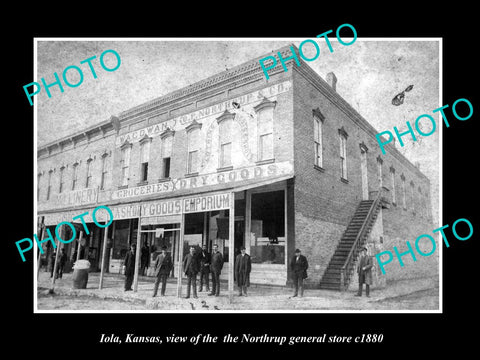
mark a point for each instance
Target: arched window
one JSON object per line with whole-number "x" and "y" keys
{"x": 167, "y": 146}
{"x": 264, "y": 112}
{"x": 225, "y": 139}
{"x": 193, "y": 146}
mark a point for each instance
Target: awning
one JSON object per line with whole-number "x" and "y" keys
{"x": 262, "y": 183}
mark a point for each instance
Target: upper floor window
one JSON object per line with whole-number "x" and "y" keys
{"x": 167, "y": 143}
{"x": 225, "y": 137}
{"x": 264, "y": 112}
{"x": 39, "y": 178}
{"x": 343, "y": 152}
{"x": 144, "y": 157}
{"x": 88, "y": 177}
{"x": 103, "y": 176}
{"x": 412, "y": 187}
{"x": 421, "y": 202}
{"x": 125, "y": 162}
{"x": 392, "y": 177}
{"x": 380, "y": 172}
{"x": 74, "y": 175}
{"x": 193, "y": 146}
{"x": 49, "y": 185}
{"x": 318, "y": 136}
{"x": 404, "y": 192}
{"x": 61, "y": 179}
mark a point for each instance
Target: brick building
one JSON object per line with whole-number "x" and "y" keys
{"x": 288, "y": 157}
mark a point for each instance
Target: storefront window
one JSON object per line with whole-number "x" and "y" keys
{"x": 267, "y": 242}
{"x": 120, "y": 239}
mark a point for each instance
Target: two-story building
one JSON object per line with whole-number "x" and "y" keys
{"x": 293, "y": 162}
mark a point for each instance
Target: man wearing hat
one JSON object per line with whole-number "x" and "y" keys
{"x": 163, "y": 266}
{"x": 205, "y": 258}
{"x": 299, "y": 266}
{"x": 216, "y": 266}
{"x": 129, "y": 267}
{"x": 191, "y": 267}
{"x": 243, "y": 266}
{"x": 364, "y": 270}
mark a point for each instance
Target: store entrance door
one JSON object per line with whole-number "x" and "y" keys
{"x": 157, "y": 236}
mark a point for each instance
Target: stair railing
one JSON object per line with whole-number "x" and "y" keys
{"x": 349, "y": 262}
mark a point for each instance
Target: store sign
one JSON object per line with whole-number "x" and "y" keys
{"x": 183, "y": 121}
{"x": 252, "y": 173}
{"x": 162, "y": 208}
{"x": 56, "y": 218}
{"x": 70, "y": 198}
{"x": 128, "y": 211}
{"x": 207, "y": 203}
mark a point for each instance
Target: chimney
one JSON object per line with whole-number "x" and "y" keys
{"x": 332, "y": 80}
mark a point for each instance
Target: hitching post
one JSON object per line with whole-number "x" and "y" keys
{"x": 79, "y": 244}
{"x": 42, "y": 234}
{"x": 231, "y": 253}
{"x": 180, "y": 255}
{"x": 137, "y": 250}
{"x": 104, "y": 251}
{"x": 62, "y": 231}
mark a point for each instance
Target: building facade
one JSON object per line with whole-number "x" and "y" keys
{"x": 288, "y": 157}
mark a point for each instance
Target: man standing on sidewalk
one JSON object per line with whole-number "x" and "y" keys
{"x": 364, "y": 270}
{"x": 129, "y": 267}
{"x": 62, "y": 259}
{"x": 299, "y": 266}
{"x": 163, "y": 266}
{"x": 191, "y": 268}
{"x": 216, "y": 268}
{"x": 53, "y": 258}
{"x": 144, "y": 259}
{"x": 243, "y": 266}
{"x": 205, "y": 259}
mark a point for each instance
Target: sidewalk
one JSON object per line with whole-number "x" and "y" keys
{"x": 261, "y": 298}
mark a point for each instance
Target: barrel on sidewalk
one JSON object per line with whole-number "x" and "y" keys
{"x": 80, "y": 274}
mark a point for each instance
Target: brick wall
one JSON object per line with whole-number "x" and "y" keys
{"x": 82, "y": 151}
{"x": 324, "y": 204}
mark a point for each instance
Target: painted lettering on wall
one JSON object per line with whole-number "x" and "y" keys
{"x": 183, "y": 121}
{"x": 206, "y": 203}
{"x": 252, "y": 173}
{"x": 77, "y": 197}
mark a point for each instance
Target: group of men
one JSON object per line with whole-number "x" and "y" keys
{"x": 299, "y": 266}
{"x": 206, "y": 263}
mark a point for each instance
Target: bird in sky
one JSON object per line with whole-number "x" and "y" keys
{"x": 399, "y": 98}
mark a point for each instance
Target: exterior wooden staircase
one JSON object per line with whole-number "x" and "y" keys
{"x": 342, "y": 264}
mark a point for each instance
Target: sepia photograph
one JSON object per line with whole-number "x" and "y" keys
{"x": 239, "y": 175}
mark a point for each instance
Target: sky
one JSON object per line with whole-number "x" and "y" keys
{"x": 370, "y": 73}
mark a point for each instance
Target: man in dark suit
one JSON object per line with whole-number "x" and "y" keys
{"x": 243, "y": 267}
{"x": 53, "y": 258}
{"x": 216, "y": 266}
{"x": 129, "y": 266}
{"x": 163, "y": 266}
{"x": 144, "y": 259}
{"x": 299, "y": 266}
{"x": 364, "y": 270}
{"x": 205, "y": 259}
{"x": 62, "y": 259}
{"x": 191, "y": 268}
